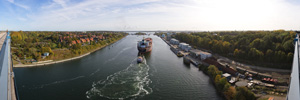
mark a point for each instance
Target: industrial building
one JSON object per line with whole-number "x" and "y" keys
{"x": 184, "y": 47}
{"x": 174, "y": 41}
{"x": 198, "y": 54}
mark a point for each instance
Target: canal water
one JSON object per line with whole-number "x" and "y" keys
{"x": 112, "y": 73}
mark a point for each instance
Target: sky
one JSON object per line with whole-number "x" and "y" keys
{"x": 149, "y": 15}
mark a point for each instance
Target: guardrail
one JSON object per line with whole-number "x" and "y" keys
{"x": 294, "y": 90}
{"x": 7, "y": 88}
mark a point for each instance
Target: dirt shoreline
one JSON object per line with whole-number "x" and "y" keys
{"x": 64, "y": 60}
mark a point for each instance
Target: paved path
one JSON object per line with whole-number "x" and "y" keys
{"x": 2, "y": 38}
{"x": 6, "y": 61}
{"x": 252, "y": 67}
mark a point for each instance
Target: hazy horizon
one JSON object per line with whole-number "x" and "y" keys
{"x": 146, "y": 30}
{"x": 150, "y": 15}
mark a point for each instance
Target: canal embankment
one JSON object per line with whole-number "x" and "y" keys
{"x": 239, "y": 75}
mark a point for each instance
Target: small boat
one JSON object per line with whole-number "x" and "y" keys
{"x": 179, "y": 54}
{"x": 140, "y": 59}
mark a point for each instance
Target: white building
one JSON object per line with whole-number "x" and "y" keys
{"x": 174, "y": 41}
{"x": 205, "y": 55}
{"x": 184, "y": 46}
{"x": 199, "y": 54}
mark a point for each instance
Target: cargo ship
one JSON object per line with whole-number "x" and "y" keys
{"x": 145, "y": 45}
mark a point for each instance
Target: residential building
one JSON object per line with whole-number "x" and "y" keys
{"x": 78, "y": 41}
{"x": 46, "y": 54}
{"x": 83, "y": 40}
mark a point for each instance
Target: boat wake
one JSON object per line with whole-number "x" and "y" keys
{"x": 57, "y": 82}
{"x": 111, "y": 59}
{"x": 116, "y": 56}
{"x": 129, "y": 83}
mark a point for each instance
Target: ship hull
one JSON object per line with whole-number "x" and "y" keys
{"x": 145, "y": 45}
{"x": 144, "y": 50}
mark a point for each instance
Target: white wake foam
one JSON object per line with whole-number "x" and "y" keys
{"x": 130, "y": 82}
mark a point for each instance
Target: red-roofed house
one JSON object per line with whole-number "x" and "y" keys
{"x": 73, "y": 42}
{"x": 88, "y": 40}
{"x": 78, "y": 41}
{"x": 83, "y": 40}
{"x": 100, "y": 37}
{"x": 60, "y": 39}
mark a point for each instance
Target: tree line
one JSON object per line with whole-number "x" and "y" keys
{"x": 266, "y": 48}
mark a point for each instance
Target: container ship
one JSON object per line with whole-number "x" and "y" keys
{"x": 145, "y": 45}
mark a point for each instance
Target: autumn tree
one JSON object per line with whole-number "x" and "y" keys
{"x": 230, "y": 93}
{"x": 244, "y": 94}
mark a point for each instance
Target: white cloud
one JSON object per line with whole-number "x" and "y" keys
{"x": 22, "y": 19}
{"x": 19, "y": 5}
{"x": 11, "y": 1}
{"x": 167, "y": 15}
{"x": 61, "y": 2}
{"x": 56, "y": 4}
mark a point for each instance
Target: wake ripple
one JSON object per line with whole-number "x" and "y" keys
{"x": 131, "y": 82}
{"x": 57, "y": 82}
{"x": 116, "y": 56}
{"x": 111, "y": 59}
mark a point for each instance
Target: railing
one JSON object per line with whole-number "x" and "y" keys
{"x": 7, "y": 88}
{"x": 294, "y": 90}
{"x": 15, "y": 82}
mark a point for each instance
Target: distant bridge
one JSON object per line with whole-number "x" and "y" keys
{"x": 7, "y": 80}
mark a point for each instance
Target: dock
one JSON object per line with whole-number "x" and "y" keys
{"x": 186, "y": 58}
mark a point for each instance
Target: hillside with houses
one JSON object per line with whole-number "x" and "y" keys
{"x": 32, "y": 46}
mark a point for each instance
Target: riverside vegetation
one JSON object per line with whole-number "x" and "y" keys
{"x": 223, "y": 87}
{"x": 262, "y": 48}
{"x": 140, "y": 33}
{"x": 31, "y": 46}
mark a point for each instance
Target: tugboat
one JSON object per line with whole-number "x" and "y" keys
{"x": 140, "y": 59}
{"x": 179, "y": 54}
{"x": 145, "y": 45}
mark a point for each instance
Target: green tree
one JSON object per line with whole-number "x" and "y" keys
{"x": 59, "y": 45}
{"x": 255, "y": 54}
{"x": 226, "y": 47}
{"x": 213, "y": 71}
{"x": 290, "y": 56}
{"x": 230, "y": 93}
{"x": 244, "y": 94}
{"x": 47, "y": 49}
{"x": 269, "y": 55}
{"x": 288, "y": 45}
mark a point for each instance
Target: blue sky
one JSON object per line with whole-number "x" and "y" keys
{"x": 127, "y": 15}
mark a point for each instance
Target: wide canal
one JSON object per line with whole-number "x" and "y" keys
{"x": 112, "y": 73}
